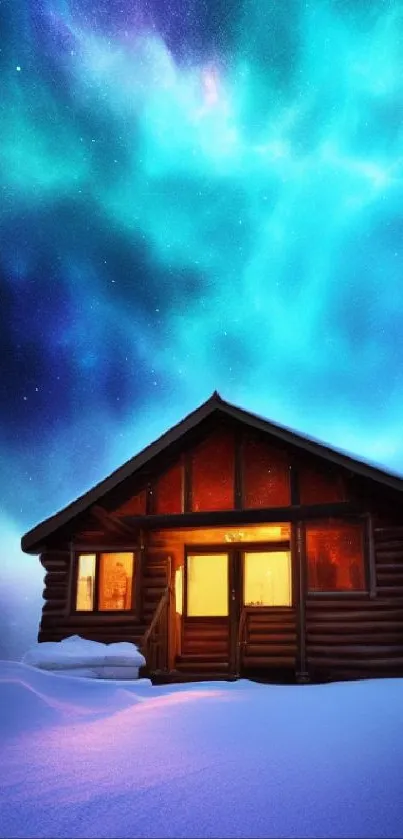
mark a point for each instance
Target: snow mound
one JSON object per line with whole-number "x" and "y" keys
{"x": 78, "y": 656}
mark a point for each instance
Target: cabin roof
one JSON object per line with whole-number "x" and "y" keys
{"x": 33, "y": 540}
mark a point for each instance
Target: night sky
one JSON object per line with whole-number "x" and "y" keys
{"x": 195, "y": 195}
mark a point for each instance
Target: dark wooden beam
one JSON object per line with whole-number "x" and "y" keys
{"x": 234, "y": 517}
{"x": 111, "y": 521}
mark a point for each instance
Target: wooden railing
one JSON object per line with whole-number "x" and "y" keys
{"x": 154, "y": 643}
{"x": 241, "y": 641}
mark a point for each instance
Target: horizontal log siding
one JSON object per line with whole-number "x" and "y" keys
{"x": 270, "y": 639}
{"x": 358, "y": 636}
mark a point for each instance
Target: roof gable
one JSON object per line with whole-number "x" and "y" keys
{"x": 215, "y": 405}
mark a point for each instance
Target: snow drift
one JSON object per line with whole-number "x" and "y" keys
{"x": 78, "y": 656}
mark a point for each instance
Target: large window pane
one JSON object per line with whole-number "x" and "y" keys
{"x": 335, "y": 556}
{"x": 266, "y": 480}
{"x": 212, "y": 468}
{"x": 207, "y": 585}
{"x": 115, "y": 581}
{"x": 267, "y": 578}
{"x": 86, "y": 583}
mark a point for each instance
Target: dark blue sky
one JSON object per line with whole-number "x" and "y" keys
{"x": 194, "y": 196}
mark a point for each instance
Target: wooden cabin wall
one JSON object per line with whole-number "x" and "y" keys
{"x": 359, "y": 636}
{"x": 58, "y": 621}
{"x": 270, "y": 639}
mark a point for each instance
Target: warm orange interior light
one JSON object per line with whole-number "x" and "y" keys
{"x": 207, "y": 585}
{"x": 179, "y": 590}
{"x": 267, "y": 578}
{"x": 115, "y": 581}
{"x": 85, "y": 583}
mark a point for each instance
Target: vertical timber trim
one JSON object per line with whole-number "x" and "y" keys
{"x": 186, "y": 482}
{"x": 369, "y": 550}
{"x": 238, "y": 470}
{"x": 299, "y": 549}
{"x": 141, "y": 557}
{"x": 149, "y": 499}
{"x": 71, "y": 577}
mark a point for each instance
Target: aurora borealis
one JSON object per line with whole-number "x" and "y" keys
{"x": 196, "y": 195}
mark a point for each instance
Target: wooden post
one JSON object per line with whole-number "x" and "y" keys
{"x": 298, "y": 549}
{"x": 172, "y": 629}
{"x": 142, "y": 556}
{"x": 370, "y": 551}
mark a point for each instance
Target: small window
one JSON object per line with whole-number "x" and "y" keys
{"x": 335, "y": 556}
{"x": 86, "y": 583}
{"x": 113, "y": 591}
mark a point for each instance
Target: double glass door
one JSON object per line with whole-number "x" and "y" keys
{"x": 221, "y": 583}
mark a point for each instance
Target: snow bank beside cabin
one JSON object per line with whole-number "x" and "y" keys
{"x": 92, "y": 758}
{"x": 78, "y": 656}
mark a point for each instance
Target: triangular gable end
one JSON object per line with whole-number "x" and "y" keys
{"x": 215, "y": 406}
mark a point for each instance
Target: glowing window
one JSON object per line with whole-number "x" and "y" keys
{"x": 335, "y": 556}
{"x": 86, "y": 583}
{"x": 207, "y": 585}
{"x": 266, "y": 481}
{"x": 167, "y": 492}
{"x": 115, "y": 581}
{"x": 267, "y": 578}
{"x": 213, "y": 468}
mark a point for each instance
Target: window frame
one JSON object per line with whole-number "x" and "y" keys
{"x": 369, "y": 590}
{"x": 88, "y": 551}
{"x": 271, "y": 547}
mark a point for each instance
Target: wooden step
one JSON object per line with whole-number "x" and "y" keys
{"x": 202, "y": 667}
{"x": 202, "y": 657}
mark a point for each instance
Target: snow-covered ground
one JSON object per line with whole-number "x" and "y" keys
{"x": 87, "y": 758}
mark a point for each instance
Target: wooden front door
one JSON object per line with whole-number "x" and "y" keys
{"x": 267, "y": 628}
{"x": 209, "y": 607}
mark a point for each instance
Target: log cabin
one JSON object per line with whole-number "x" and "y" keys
{"x": 233, "y": 546}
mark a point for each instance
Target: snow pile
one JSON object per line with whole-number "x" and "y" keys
{"x": 95, "y": 758}
{"x": 77, "y": 656}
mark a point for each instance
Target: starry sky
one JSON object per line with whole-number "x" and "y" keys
{"x": 195, "y": 195}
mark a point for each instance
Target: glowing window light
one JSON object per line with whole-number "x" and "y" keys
{"x": 207, "y": 585}
{"x": 86, "y": 583}
{"x": 267, "y": 578}
{"x": 115, "y": 581}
